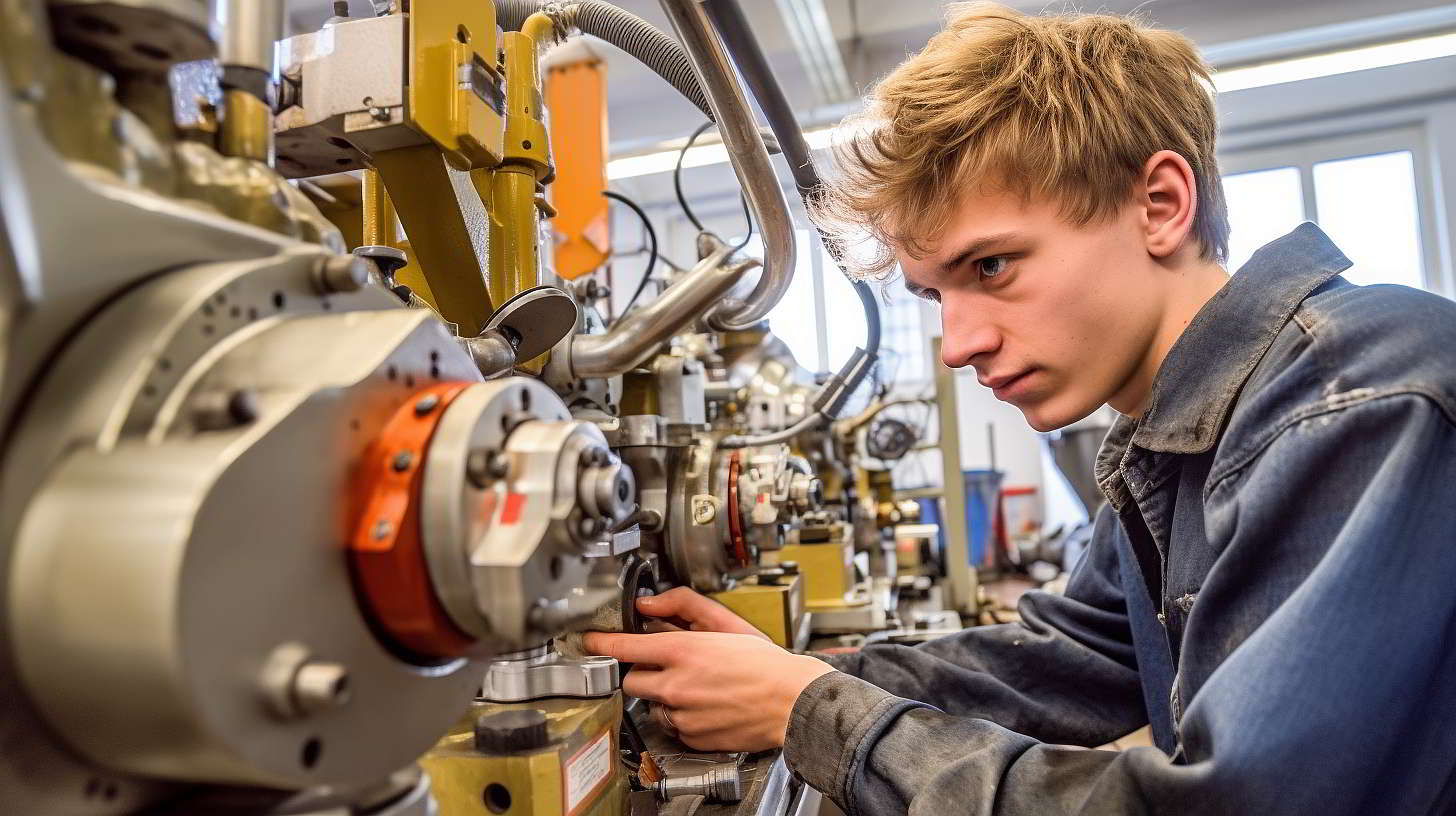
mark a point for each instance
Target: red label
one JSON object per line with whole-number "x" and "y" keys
{"x": 511, "y": 510}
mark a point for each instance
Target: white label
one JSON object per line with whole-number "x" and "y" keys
{"x": 588, "y": 769}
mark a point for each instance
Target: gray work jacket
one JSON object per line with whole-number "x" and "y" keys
{"x": 1271, "y": 586}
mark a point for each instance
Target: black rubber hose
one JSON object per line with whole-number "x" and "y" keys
{"x": 727, "y": 17}
{"x": 651, "y": 247}
{"x": 653, "y": 48}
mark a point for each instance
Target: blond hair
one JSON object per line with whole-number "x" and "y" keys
{"x": 1069, "y": 107}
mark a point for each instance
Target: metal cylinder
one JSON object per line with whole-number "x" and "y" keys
{"x": 717, "y": 785}
{"x": 246, "y": 31}
{"x": 516, "y": 264}
{"x": 637, "y": 334}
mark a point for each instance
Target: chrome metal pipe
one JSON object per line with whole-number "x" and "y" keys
{"x": 638, "y": 334}
{"x": 750, "y": 162}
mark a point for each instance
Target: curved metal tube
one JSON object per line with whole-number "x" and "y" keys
{"x": 638, "y": 334}
{"x": 750, "y": 162}
{"x": 809, "y": 422}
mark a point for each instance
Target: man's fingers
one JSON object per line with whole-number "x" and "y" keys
{"x": 643, "y": 683}
{"x": 670, "y": 603}
{"x": 655, "y": 625}
{"x": 703, "y": 613}
{"x": 655, "y": 649}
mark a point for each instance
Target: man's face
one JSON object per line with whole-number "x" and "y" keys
{"x": 1055, "y": 318}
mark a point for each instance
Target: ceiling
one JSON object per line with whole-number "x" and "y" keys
{"x": 874, "y": 35}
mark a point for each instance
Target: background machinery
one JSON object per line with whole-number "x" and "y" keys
{"x": 310, "y": 464}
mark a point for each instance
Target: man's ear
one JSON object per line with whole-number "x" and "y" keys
{"x": 1169, "y": 200}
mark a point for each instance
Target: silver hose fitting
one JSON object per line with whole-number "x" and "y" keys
{"x": 717, "y": 785}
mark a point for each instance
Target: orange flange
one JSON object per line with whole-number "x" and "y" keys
{"x": 386, "y": 554}
{"x": 737, "y": 547}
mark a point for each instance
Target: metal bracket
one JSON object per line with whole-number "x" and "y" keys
{"x": 544, "y": 672}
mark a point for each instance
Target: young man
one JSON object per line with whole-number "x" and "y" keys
{"x": 1270, "y": 582}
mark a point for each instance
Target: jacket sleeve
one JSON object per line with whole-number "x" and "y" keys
{"x": 1335, "y": 584}
{"x": 1065, "y": 673}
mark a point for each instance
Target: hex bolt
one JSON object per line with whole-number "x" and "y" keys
{"x": 402, "y": 461}
{"x": 320, "y": 685}
{"x": 340, "y": 274}
{"x": 427, "y": 403}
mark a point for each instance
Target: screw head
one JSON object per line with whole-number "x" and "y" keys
{"x": 426, "y": 404}
{"x": 382, "y": 529}
{"x": 402, "y": 461}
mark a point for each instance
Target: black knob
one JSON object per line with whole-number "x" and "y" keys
{"x": 510, "y": 732}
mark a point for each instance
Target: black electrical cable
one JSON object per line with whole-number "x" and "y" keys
{"x": 747, "y": 216}
{"x": 682, "y": 199}
{"x": 651, "y": 247}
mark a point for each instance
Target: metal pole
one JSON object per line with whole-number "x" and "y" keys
{"x": 960, "y": 575}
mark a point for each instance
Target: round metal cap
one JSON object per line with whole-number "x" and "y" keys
{"x": 537, "y": 318}
{"x": 509, "y": 732}
{"x": 387, "y": 258}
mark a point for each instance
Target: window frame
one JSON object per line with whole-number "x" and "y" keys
{"x": 1304, "y": 153}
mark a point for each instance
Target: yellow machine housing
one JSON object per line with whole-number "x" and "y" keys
{"x": 777, "y": 610}
{"x": 574, "y": 773}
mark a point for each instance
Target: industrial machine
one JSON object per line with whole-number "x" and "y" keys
{"x": 307, "y": 479}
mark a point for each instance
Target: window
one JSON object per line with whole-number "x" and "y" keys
{"x": 795, "y": 318}
{"x": 822, "y": 322}
{"x": 1369, "y": 193}
{"x": 1262, "y": 205}
{"x": 1368, "y": 205}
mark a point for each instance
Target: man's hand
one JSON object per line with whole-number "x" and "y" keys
{"x": 683, "y": 609}
{"x": 722, "y": 691}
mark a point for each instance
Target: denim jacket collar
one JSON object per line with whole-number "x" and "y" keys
{"x": 1198, "y": 381}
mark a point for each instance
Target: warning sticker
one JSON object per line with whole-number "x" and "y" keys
{"x": 587, "y": 771}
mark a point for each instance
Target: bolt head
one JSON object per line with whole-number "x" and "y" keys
{"x": 402, "y": 461}
{"x": 319, "y": 686}
{"x": 341, "y": 274}
{"x": 477, "y": 468}
{"x": 426, "y": 404}
{"x": 500, "y": 465}
{"x": 382, "y": 529}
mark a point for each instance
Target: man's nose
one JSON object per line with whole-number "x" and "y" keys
{"x": 966, "y": 334}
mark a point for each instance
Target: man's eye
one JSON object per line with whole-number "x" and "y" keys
{"x": 993, "y": 266}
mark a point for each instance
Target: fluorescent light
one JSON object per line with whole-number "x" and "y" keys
{"x": 662, "y": 161}
{"x": 1234, "y": 79}
{"x": 1339, "y": 62}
